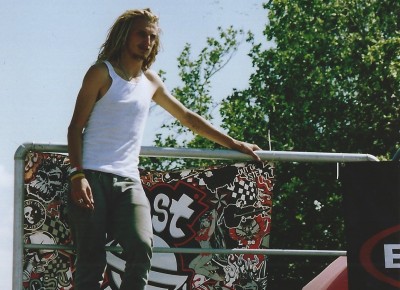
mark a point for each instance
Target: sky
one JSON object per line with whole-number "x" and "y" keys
{"x": 48, "y": 45}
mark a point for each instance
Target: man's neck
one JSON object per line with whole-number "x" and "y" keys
{"x": 131, "y": 67}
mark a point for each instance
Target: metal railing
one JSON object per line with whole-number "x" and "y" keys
{"x": 146, "y": 151}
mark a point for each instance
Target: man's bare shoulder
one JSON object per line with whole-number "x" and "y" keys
{"x": 97, "y": 79}
{"x": 153, "y": 77}
{"x": 98, "y": 70}
{"x": 160, "y": 90}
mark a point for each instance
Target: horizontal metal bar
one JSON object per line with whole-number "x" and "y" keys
{"x": 151, "y": 151}
{"x": 271, "y": 252}
{"x": 264, "y": 155}
{"x": 26, "y": 147}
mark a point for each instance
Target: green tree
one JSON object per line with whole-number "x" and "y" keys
{"x": 331, "y": 84}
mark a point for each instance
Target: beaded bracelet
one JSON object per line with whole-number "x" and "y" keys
{"x": 77, "y": 175}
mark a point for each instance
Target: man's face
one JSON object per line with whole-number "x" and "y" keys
{"x": 141, "y": 39}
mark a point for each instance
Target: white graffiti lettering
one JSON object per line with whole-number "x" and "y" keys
{"x": 167, "y": 210}
{"x": 180, "y": 209}
{"x": 160, "y": 218}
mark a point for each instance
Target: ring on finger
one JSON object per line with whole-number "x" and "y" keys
{"x": 80, "y": 200}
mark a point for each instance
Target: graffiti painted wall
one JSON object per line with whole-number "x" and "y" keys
{"x": 227, "y": 206}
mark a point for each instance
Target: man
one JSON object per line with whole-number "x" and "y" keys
{"x": 104, "y": 139}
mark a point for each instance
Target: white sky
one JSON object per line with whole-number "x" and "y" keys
{"x": 46, "y": 47}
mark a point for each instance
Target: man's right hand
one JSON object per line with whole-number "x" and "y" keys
{"x": 81, "y": 193}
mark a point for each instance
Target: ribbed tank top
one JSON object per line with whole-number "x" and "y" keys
{"x": 114, "y": 132}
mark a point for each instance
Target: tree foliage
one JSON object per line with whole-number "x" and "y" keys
{"x": 332, "y": 79}
{"x": 331, "y": 83}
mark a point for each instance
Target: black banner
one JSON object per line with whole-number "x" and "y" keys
{"x": 372, "y": 220}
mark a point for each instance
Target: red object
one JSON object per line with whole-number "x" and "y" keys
{"x": 333, "y": 277}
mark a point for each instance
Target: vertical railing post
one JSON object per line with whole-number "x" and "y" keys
{"x": 18, "y": 241}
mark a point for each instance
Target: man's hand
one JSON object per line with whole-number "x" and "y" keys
{"x": 247, "y": 148}
{"x": 81, "y": 193}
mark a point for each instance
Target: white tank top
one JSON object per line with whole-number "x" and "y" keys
{"x": 113, "y": 135}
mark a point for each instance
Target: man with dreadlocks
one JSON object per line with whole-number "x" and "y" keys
{"x": 104, "y": 139}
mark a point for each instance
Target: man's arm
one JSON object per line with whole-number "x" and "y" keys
{"x": 195, "y": 122}
{"x": 94, "y": 84}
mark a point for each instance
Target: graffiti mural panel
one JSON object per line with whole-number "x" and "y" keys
{"x": 226, "y": 206}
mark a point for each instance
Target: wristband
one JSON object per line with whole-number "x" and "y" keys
{"x": 77, "y": 175}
